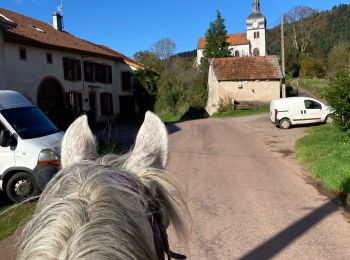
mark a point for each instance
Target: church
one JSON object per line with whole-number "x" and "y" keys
{"x": 250, "y": 43}
{"x": 249, "y": 77}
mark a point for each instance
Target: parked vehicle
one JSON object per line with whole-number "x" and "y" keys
{"x": 286, "y": 112}
{"x": 30, "y": 146}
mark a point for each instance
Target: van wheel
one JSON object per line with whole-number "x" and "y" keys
{"x": 329, "y": 119}
{"x": 284, "y": 123}
{"x": 21, "y": 186}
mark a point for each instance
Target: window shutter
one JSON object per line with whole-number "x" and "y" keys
{"x": 78, "y": 68}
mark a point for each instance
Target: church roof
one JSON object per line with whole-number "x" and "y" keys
{"x": 36, "y": 33}
{"x": 232, "y": 39}
{"x": 247, "y": 68}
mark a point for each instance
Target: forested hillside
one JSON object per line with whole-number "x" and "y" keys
{"x": 313, "y": 39}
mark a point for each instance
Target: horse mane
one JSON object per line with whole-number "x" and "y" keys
{"x": 85, "y": 212}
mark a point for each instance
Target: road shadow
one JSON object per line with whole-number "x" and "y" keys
{"x": 277, "y": 243}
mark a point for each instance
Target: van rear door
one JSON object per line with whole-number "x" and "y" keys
{"x": 7, "y": 155}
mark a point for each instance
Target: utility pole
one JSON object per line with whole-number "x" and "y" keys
{"x": 282, "y": 58}
{"x": 282, "y": 48}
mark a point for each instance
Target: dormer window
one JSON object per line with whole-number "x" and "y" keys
{"x": 22, "y": 53}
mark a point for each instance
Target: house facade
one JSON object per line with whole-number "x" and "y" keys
{"x": 56, "y": 69}
{"x": 247, "y": 81}
{"x": 250, "y": 43}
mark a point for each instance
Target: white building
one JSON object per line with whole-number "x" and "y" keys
{"x": 56, "y": 69}
{"x": 250, "y": 43}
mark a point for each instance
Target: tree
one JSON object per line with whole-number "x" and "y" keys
{"x": 339, "y": 58}
{"x": 149, "y": 59}
{"x": 298, "y": 29}
{"x": 215, "y": 37}
{"x": 338, "y": 96}
{"x": 164, "y": 49}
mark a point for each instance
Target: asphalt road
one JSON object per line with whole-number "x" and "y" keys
{"x": 248, "y": 197}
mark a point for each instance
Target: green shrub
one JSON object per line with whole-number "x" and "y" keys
{"x": 338, "y": 96}
{"x": 181, "y": 87}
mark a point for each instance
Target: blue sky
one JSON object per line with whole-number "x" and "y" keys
{"x": 129, "y": 26}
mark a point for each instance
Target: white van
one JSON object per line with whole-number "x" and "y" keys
{"x": 30, "y": 146}
{"x": 285, "y": 112}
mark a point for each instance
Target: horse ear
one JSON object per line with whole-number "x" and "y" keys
{"x": 151, "y": 145}
{"x": 78, "y": 143}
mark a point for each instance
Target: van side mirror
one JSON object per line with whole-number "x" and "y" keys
{"x": 7, "y": 139}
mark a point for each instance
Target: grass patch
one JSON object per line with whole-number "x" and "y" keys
{"x": 316, "y": 87}
{"x": 169, "y": 117}
{"x": 12, "y": 217}
{"x": 240, "y": 112}
{"x": 326, "y": 152}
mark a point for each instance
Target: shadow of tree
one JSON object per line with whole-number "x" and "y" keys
{"x": 277, "y": 243}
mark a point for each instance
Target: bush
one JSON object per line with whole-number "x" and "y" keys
{"x": 180, "y": 87}
{"x": 225, "y": 105}
{"x": 312, "y": 67}
{"x": 338, "y": 96}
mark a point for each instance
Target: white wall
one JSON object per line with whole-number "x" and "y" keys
{"x": 244, "y": 50}
{"x": 2, "y": 66}
{"x": 26, "y": 76}
{"x": 199, "y": 56}
{"x": 259, "y": 43}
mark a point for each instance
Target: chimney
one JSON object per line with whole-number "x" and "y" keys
{"x": 57, "y": 19}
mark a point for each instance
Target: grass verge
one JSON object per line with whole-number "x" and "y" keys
{"x": 316, "y": 87}
{"x": 326, "y": 152}
{"x": 240, "y": 112}
{"x": 12, "y": 217}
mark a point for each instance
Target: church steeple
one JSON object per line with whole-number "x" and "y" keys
{"x": 256, "y": 6}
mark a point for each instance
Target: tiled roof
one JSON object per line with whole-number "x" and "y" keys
{"x": 30, "y": 31}
{"x": 247, "y": 68}
{"x": 232, "y": 39}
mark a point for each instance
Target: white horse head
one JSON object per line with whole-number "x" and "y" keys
{"x": 103, "y": 208}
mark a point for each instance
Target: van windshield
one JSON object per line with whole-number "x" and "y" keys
{"x": 29, "y": 122}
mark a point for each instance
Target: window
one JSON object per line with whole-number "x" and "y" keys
{"x": 23, "y": 54}
{"x": 236, "y": 53}
{"x": 72, "y": 69}
{"x": 310, "y": 104}
{"x": 256, "y": 35}
{"x": 29, "y": 122}
{"x": 101, "y": 73}
{"x": 74, "y": 101}
{"x": 126, "y": 81}
{"x": 94, "y": 72}
{"x": 256, "y": 52}
{"x": 106, "y": 101}
{"x": 89, "y": 71}
{"x": 49, "y": 58}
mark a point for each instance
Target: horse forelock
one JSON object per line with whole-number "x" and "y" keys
{"x": 85, "y": 213}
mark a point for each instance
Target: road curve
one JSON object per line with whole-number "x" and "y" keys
{"x": 248, "y": 196}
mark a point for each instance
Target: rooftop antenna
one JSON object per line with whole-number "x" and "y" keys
{"x": 60, "y": 7}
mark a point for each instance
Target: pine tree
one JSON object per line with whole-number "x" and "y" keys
{"x": 216, "y": 45}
